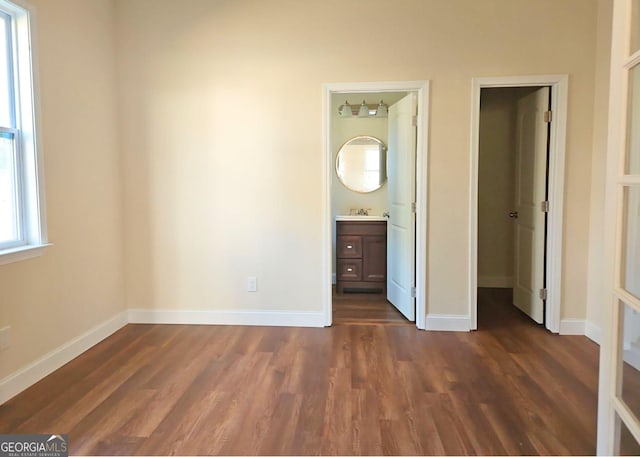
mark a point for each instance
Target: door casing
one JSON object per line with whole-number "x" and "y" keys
{"x": 557, "y": 144}
{"x": 421, "y": 88}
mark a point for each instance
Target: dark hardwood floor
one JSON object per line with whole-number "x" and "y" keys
{"x": 509, "y": 388}
{"x": 365, "y": 309}
{"x": 631, "y": 396}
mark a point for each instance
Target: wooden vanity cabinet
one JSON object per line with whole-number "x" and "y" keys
{"x": 361, "y": 256}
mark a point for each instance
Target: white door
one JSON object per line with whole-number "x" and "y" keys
{"x": 401, "y": 228}
{"x": 531, "y": 178}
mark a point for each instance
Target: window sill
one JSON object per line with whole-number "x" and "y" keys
{"x": 22, "y": 253}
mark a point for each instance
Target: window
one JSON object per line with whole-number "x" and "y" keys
{"x": 22, "y": 227}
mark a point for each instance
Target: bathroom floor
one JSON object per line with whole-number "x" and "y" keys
{"x": 365, "y": 309}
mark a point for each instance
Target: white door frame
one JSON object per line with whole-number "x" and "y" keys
{"x": 559, "y": 91}
{"x": 422, "y": 90}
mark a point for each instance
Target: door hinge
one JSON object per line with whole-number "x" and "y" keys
{"x": 413, "y": 292}
{"x": 414, "y": 120}
{"x": 543, "y": 294}
{"x": 413, "y": 207}
{"x": 548, "y": 116}
{"x": 544, "y": 206}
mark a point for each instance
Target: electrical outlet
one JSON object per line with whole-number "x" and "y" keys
{"x": 252, "y": 284}
{"x": 5, "y": 338}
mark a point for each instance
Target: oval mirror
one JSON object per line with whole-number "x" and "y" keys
{"x": 361, "y": 164}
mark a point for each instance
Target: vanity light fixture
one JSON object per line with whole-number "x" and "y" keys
{"x": 365, "y": 110}
{"x": 383, "y": 110}
{"x": 345, "y": 110}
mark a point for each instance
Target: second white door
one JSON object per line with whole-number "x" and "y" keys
{"x": 401, "y": 228}
{"x": 531, "y": 180}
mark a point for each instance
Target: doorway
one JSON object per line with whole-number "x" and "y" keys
{"x": 512, "y": 191}
{"x": 521, "y": 226}
{"x": 355, "y": 93}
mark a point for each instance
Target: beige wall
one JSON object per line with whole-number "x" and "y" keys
{"x": 78, "y": 282}
{"x": 223, "y": 168}
{"x": 496, "y": 186}
{"x": 597, "y": 295}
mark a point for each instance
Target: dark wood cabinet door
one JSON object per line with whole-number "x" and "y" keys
{"x": 374, "y": 249}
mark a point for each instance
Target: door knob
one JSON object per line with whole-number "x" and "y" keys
{"x": 513, "y": 215}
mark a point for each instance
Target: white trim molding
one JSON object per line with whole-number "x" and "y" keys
{"x": 421, "y": 88}
{"x": 216, "y": 317}
{"x": 572, "y": 327}
{"x": 559, "y": 93}
{"x": 593, "y": 332}
{"x": 22, "y": 253}
{"x": 448, "y": 322}
{"x": 24, "y": 378}
{"x": 631, "y": 355}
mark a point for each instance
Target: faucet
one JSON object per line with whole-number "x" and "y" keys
{"x": 359, "y": 212}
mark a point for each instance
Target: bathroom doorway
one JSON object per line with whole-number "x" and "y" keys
{"x": 377, "y": 229}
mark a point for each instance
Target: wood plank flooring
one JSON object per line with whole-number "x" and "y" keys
{"x": 365, "y": 309}
{"x": 631, "y": 396}
{"x": 509, "y": 388}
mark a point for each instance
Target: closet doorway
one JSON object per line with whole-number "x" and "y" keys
{"x": 532, "y": 220}
{"x": 512, "y": 196}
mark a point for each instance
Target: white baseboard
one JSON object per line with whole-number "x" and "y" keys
{"x": 448, "y": 322}
{"x": 593, "y": 332}
{"x": 632, "y": 356}
{"x": 20, "y": 380}
{"x": 501, "y": 282}
{"x": 572, "y": 326}
{"x": 215, "y": 317}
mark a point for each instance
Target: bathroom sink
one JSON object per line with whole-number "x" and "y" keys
{"x": 361, "y": 218}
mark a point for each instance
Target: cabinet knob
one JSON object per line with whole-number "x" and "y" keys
{"x": 349, "y": 269}
{"x": 349, "y": 246}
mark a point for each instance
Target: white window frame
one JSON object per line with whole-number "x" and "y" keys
{"x": 29, "y": 161}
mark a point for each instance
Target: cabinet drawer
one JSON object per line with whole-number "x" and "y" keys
{"x": 349, "y": 269}
{"x": 349, "y": 247}
{"x": 361, "y": 228}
